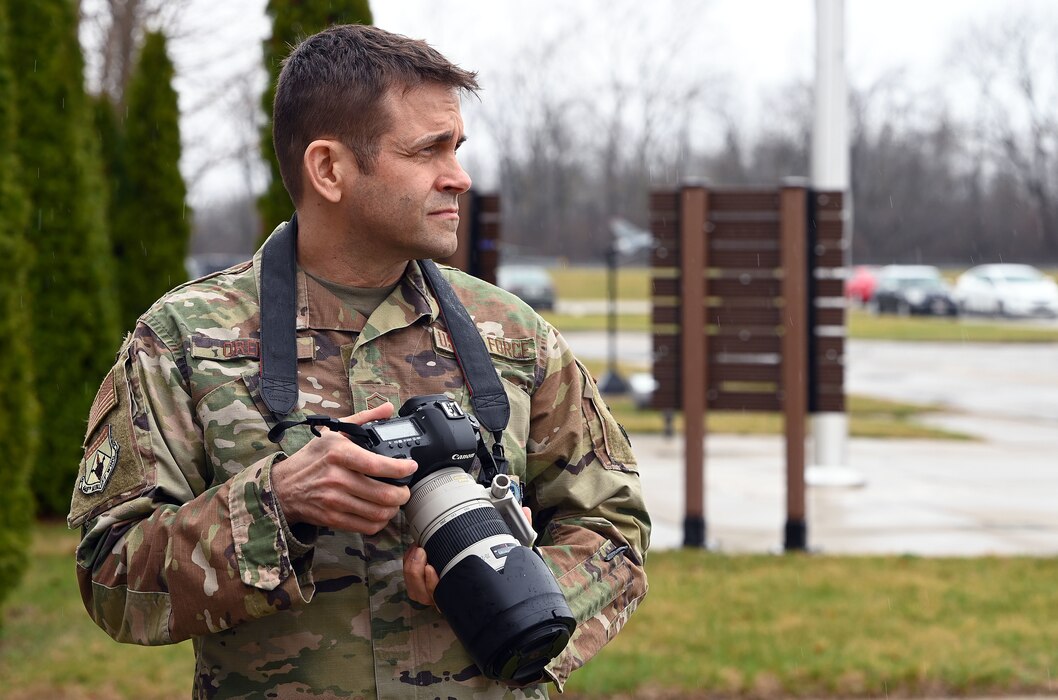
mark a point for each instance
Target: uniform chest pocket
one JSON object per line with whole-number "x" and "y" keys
{"x": 235, "y": 424}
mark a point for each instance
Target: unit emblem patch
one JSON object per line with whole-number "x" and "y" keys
{"x": 100, "y": 458}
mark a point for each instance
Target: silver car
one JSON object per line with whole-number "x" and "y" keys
{"x": 1007, "y": 290}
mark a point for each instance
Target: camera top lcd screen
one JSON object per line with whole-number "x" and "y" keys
{"x": 397, "y": 430}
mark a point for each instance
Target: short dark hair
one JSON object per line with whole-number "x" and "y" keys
{"x": 334, "y": 85}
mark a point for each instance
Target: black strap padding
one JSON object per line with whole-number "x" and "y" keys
{"x": 486, "y": 392}
{"x": 279, "y": 350}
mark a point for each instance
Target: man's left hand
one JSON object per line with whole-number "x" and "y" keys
{"x": 421, "y": 578}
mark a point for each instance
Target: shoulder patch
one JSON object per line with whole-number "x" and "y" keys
{"x": 112, "y": 469}
{"x": 100, "y": 458}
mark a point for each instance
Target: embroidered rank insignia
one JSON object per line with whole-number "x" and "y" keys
{"x": 100, "y": 459}
{"x": 376, "y": 399}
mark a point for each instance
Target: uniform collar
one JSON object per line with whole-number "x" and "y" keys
{"x": 317, "y": 308}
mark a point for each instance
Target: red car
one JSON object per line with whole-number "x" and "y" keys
{"x": 859, "y": 286}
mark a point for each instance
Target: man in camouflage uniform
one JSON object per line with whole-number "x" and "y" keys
{"x": 292, "y": 570}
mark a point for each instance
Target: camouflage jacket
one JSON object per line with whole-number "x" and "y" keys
{"x": 182, "y": 538}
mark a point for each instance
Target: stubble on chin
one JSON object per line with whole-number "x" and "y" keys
{"x": 442, "y": 243}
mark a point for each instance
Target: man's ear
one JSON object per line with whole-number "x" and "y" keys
{"x": 328, "y": 165}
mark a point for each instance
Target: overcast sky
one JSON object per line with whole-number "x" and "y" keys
{"x": 752, "y": 47}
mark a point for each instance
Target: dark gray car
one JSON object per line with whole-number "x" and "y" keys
{"x": 531, "y": 283}
{"x": 913, "y": 289}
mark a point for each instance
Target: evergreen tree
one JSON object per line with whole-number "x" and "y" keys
{"x": 19, "y": 417}
{"x": 74, "y": 329}
{"x": 112, "y": 143}
{"x": 151, "y": 227}
{"x": 292, "y": 21}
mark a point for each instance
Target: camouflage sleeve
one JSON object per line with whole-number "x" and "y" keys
{"x": 583, "y": 487}
{"x": 165, "y": 554}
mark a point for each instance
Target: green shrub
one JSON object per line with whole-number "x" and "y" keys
{"x": 18, "y": 402}
{"x": 74, "y": 331}
{"x": 151, "y": 228}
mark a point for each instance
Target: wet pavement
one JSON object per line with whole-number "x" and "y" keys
{"x": 920, "y": 497}
{"x": 996, "y": 494}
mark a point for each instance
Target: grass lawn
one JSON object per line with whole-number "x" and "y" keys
{"x": 712, "y": 626}
{"x": 819, "y": 626}
{"x": 50, "y": 648}
{"x": 577, "y": 283}
{"x": 861, "y": 325}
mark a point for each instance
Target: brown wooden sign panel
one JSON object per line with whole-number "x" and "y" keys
{"x": 743, "y": 287}
{"x": 748, "y": 315}
{"x": 743, "y": 201}
{"x": 745, "y": 402}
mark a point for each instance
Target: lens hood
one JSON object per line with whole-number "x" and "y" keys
{"x": 512, "y": 622}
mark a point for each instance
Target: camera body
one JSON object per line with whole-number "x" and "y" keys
{"x": 432, "y": 430}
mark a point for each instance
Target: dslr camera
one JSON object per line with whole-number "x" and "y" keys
{"x": 495, "y": 590}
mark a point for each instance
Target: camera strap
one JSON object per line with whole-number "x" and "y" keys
{"x": 487, "y": 396}
{"x": 279, "y": 369}
{"x": 279, "y": 351}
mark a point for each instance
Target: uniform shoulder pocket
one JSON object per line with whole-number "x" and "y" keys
{"x": 608, "y": 438}
{"x": 111, "y": 469}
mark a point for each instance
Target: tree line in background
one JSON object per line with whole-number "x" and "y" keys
{"x": 939, "y": 176}
{"x": 932, "y": 182}
{"x": 292, "y": 22}
{"x": 96, "y": 224}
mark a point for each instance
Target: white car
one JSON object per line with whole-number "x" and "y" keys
{"x": 1007, "y": 290}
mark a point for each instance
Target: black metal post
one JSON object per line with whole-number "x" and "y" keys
{"x": 612, "y": 382}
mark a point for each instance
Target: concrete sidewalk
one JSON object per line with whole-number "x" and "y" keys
{"x": 926, "y": 497}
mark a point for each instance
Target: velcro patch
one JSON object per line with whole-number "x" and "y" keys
{"x": 206, "y": 348}
{"x": 100, "y": 459}
{"x": 513, "y": 349}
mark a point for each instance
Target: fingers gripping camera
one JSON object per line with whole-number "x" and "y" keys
{"x": 498, "y": 595}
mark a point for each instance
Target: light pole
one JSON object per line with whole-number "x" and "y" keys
{"x": 830, "y": 171}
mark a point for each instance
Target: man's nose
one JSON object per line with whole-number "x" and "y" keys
{"x": 455, "y": 179}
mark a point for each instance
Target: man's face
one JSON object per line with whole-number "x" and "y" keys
{"x": 406, "y": 207}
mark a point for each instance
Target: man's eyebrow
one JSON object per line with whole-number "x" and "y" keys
{"x": 433, "y": 139}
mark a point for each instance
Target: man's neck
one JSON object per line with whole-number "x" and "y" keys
{"x": 326, "y": 250}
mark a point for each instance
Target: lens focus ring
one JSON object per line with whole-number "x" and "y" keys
{"x": 461, "y": 532}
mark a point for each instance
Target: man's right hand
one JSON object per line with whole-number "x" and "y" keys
{"x": 329, "y": 482}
